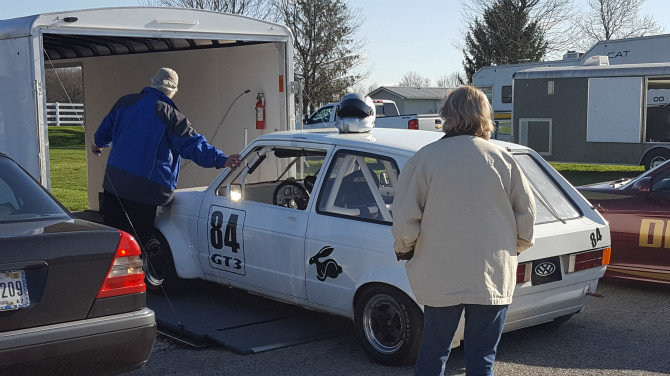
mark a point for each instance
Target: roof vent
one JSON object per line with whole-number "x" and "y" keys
{"x": 597, "y": 61}
{"x": 572, "y": 55}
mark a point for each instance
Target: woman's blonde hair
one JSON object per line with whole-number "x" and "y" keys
{"x": 467, "y": 110}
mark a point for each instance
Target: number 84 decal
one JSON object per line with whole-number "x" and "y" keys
{"x": 226, "y": 251}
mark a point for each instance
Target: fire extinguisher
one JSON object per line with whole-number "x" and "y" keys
{"x": 260, "y": 111}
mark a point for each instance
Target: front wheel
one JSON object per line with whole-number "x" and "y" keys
{"x": 389, "y": 324}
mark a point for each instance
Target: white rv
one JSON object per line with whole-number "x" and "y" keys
{"x": 227, "y": 65}
{"x": 496, "y": 81}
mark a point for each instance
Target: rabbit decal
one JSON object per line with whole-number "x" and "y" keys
{"x": 327, "y": 268}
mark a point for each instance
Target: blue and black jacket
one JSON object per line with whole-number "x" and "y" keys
{"x": 149, "y": 137}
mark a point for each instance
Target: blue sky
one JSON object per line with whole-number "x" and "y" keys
{"x": 401, "y": 36}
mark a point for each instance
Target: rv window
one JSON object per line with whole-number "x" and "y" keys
{"x": 552, "y": 204}
{"x": 506, "y": 94}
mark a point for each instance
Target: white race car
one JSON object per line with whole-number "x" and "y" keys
{"x": 307, "y": 220}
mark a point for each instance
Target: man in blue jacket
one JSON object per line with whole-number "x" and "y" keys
{"x": 150, "y": 136}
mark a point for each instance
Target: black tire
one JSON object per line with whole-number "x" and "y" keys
{"x": 159, "y": 269}
{"x": 389, "y": 324}
{"x": 655, "y": 157}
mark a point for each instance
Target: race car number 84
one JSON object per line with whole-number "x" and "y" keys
{"x": 226, "y": 251}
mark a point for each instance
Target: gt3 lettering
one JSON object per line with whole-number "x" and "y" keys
{"x": 652, "y": 234}
{"x": 226, "y": 260}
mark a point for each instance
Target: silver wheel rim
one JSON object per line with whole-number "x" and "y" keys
{"x": 657, "y": 161}
{"x": 384, "y": 324}
{"x": 149, "y": 271}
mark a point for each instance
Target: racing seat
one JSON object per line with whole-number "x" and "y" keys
{"x": 355, "y": 193}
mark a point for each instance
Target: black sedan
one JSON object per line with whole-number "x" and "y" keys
{"x": 72, "y": 292}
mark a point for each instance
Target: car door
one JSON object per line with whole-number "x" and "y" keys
{"x": 351, "y": 228}
{"x": 253, "y": 226}
{"x": 640, "y": 221}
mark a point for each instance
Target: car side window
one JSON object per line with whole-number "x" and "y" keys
{"x": 661, "y": 182}
{"x": 276, "y": 175}
{"x": 360, "y": 186}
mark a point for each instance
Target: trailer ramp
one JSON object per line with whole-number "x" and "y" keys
{"x": 209, "y": 314}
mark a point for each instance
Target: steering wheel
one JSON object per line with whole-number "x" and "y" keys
{"x": 291, "y": 194}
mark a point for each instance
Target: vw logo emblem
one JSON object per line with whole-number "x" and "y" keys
{"x": 545, "y": 269}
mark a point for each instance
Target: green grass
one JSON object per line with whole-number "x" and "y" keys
{"x": 580, "y": 174}
{"x": 69, "y": 184}
{"x": 67, "y": 156}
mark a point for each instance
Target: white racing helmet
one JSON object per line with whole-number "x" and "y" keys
{"x": 355, "y": 114}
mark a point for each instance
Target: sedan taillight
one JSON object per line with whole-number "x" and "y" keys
{"x": 590, "y": 259}
{"x": 125, "y": 275}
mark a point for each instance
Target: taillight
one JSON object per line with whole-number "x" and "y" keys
{"x": 523, "y": 273}
{"x": 590, "y": 259}
{"x": 125, "y": 276}
{"x": 413, "y": 124}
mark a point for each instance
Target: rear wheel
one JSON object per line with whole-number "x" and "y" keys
{"x": 159, "y": 269}
{"x": 389, "y": 324}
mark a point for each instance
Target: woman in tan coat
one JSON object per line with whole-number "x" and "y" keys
{"x": 464, "y": 209}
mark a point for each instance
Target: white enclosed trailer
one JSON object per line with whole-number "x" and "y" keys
{"x": 225, "y": 64}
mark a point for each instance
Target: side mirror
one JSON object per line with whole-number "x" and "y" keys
{"x": 643, "y": 185}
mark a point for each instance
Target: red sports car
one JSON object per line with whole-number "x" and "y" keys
{"x": 638, "y": 210}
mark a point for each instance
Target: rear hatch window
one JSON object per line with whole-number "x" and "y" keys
{"x": 552, "y": 203}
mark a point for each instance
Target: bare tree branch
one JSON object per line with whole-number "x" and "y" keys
{"x": 614, "y": 19}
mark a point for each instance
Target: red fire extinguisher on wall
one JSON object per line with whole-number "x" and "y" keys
{"x": 260, "y": 111}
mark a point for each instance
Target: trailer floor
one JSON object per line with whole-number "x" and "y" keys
{"x": 209, "y": 314}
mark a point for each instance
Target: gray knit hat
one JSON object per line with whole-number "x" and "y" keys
{"x": 165, "y": 80}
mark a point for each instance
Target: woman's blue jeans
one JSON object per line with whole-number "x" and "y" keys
{"x": 483, "y": 327}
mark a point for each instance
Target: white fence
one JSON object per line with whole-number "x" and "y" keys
{"x": 65, "y": 114}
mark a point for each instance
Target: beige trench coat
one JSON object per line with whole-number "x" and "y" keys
{"x": 466, "y": 209}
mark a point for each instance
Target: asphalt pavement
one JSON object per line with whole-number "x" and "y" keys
{"x": 625, "y": 333}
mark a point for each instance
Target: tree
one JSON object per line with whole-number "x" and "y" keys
{"x": 615, "y": 19}
{"x": 413, "y": 79}
{"x": 325, "y": 47}
{"x": 506, "y": 34}
{"x": 64, "y": 85}
{"x": 450, "y": 81}
{"x": 262, "y": 9}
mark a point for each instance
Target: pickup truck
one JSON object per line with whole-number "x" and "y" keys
{"x": 388, "y": 116}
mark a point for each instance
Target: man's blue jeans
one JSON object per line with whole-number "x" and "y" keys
{"x": 483, "y": 327}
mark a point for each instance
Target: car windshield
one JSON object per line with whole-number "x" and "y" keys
{"x": 630, "y": 182}
{"x": 23, "y": 199}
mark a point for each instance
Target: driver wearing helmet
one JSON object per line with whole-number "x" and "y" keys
{"x": 355, "y": 114}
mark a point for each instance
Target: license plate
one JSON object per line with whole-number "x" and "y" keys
{"x": 546, "y": 270}
{"x": 13, "y": 290}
